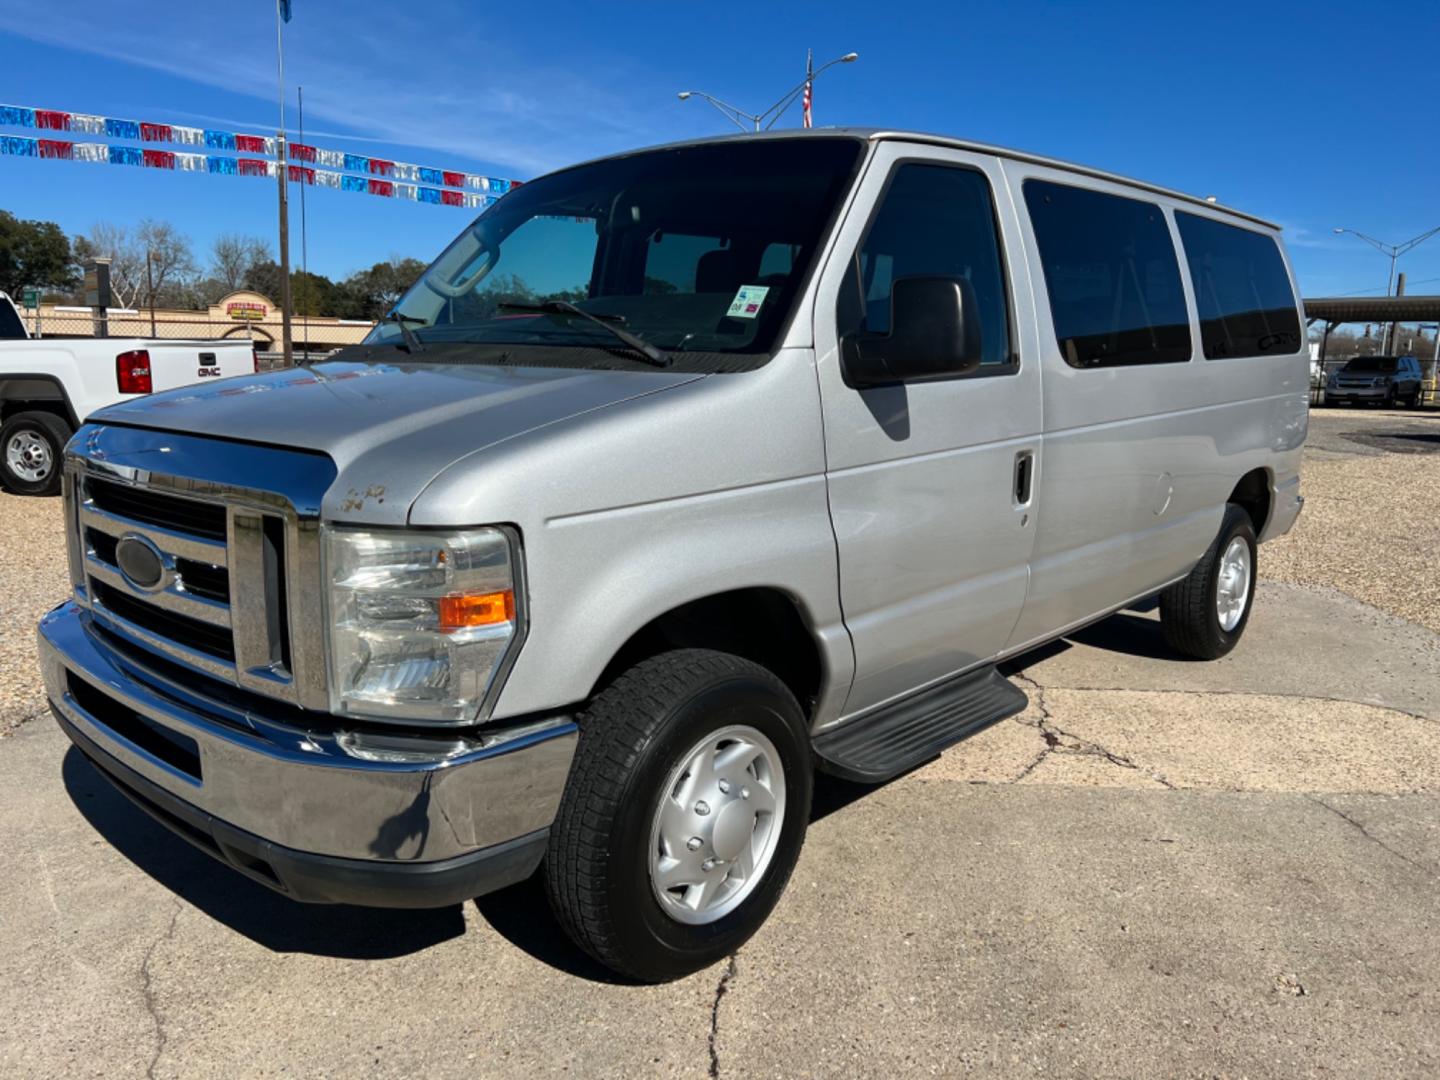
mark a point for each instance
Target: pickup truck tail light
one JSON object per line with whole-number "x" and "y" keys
{"x": 255, "y": 359}
{"x": 132, "y": 372}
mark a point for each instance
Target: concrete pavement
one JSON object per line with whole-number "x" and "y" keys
{"x": 1161, "y": 868}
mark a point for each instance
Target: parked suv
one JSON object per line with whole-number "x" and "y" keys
{"x": 679, "y": 475}
{"x": 1376, "y": 380}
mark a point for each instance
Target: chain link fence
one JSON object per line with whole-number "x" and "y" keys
{"x": 310, "y": 341}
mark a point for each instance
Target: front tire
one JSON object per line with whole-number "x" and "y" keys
{"x": 31, "y": 448}
{"x": 683, "y": 816}
{"x": 1204, "y": 614}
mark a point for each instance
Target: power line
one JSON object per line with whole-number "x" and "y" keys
{"x": 1384, "y": 289}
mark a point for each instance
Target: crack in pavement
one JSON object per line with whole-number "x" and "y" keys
{"x": 721, "y": 988}
{"x": 1078, "y": 746}
{"x": 1050, "y": 740}
{"x": 1240, "y": 693}
{"x": 1427, "y": 871}
{"x": 9, "y": 728}
{"x": 149, "y": 994}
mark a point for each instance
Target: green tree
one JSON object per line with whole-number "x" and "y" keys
{"x": 368, "y": 294}
{"x": 33, "y": 253}
{"x": 312, "y": 294}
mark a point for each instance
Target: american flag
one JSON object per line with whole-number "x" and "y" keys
{"x": 805, "y": 103}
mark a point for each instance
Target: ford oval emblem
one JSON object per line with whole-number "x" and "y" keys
{"x": 141, "y": 562}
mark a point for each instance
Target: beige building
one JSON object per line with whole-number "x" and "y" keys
{"x": 241, "y": 314}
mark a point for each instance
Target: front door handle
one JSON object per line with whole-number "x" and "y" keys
{"x": 1024, "y": 476}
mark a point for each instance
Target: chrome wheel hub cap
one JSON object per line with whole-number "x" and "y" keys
{"x": 717, "y": 826}
{"x": 1232, "y": 589}
{"x": 28, "y": 456}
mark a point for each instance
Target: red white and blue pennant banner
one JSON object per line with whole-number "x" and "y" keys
{"x": 397, "y": 173}
{"x": 103, "y": 153}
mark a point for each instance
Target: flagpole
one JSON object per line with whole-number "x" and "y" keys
{"x": 809, "y": 84}
{"x": 281, "y": 161}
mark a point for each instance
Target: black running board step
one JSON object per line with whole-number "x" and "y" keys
{"x": 884, "y": 744}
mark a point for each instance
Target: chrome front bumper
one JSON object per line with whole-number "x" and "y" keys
{"x": 316, "y": 796}
{"x": 1356, "y": 393}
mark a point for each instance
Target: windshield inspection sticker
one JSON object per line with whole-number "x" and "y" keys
{"x": 746, "y": 304}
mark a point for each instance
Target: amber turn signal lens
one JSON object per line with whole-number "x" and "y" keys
{"x": 476, "y": 609}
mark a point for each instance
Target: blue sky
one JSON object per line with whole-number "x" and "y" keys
{"x": 1288, "y": 110}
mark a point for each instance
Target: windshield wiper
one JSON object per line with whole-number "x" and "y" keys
{"x": 607, "y": 322}
{"x": 412, "y": 342}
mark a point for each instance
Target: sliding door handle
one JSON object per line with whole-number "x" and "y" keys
{"x": 1024, "y": 476}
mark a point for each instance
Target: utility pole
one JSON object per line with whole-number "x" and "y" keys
{"x": 282, "y": 16}
{"x": 150, "y": 286}
{"x": 304, "y": 243}
{"x": 1393, "y": 340}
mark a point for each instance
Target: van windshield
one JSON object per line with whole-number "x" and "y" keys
{"x": 696, "y": 250}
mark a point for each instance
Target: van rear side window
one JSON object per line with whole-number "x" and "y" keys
{"x": 1112, "y": 276}
{"x": 1246, "y": 304}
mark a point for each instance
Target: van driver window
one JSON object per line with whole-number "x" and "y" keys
{"x": 1112, "y": 276}
{"x": 935, "y": 221}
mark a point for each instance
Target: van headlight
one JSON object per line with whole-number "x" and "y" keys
{"x": 421, "y": 623}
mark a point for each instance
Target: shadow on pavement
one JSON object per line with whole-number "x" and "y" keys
{"x": 227, "y": 896}
{"x": 521, "y": 915}
{"x": 1130, "y": 634}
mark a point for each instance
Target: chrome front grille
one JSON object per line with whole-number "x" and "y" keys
{"x": 238, "y": 592}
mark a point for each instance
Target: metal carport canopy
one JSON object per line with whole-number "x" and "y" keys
{"x": 1352, "y": 309}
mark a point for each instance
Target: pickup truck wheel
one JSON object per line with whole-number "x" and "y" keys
{"x": 31, "y": 444}
{"x": 1204, "y": 614}
{"x": 683, "y": 816}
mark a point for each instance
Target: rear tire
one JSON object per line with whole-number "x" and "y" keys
{"x": 31, "y": 449}
{"x": 632, "y": 821}
{"x": 1205, "y": 614}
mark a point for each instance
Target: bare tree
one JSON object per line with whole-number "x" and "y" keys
{"x": 165, "y": 251}
{"x": 127, "y": 260}
{"x": 233, "y": 256}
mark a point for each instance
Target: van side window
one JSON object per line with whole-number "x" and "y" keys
{"x": 933, "y": 221}
{"x": 1112, "y": 276}
{"x": 1242, "y": 292}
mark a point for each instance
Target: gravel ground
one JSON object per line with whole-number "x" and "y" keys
{"x": 32, "y": 580}
{"x": 1371, "y": 525}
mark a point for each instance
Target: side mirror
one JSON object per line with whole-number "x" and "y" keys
{"x": 934, "y": 334}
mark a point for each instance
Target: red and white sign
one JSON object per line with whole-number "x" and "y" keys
{"x": 245, "y": 310}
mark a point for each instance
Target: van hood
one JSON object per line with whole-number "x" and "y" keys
{"x": 389, "y": 428}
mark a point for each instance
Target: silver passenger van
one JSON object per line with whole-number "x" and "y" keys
{"x": 680, "y": 475}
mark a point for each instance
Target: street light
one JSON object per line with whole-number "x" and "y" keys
{"x": 1394, "y": 251}
{"x": 759, "y": 121}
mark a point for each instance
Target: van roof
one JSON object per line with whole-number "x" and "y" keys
{"x": 889, "y": 134}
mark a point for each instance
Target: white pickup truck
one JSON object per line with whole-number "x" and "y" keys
{"x": 48, "y": 387}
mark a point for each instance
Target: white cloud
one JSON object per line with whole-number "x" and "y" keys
{"x": 437, "y": 84}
